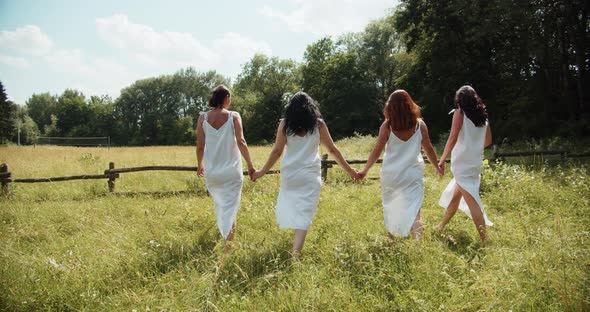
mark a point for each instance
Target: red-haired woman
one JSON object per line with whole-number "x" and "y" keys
{"x": 403, "y": 134}
{"x": 470, "y": 134}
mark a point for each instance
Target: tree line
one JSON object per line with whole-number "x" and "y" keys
{"x": 529, "y": 61}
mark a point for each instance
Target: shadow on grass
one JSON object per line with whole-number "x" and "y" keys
{"x": 383, "y": 264}
{"x": 98, "y": 195}
{"x": 460, "y": 242}
{"x": 265, "y": 266}
{"x": 159, "y": 194}
{"x": 161, "y": 257}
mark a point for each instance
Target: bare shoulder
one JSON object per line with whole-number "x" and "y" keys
{"x": 321, "y": 123}
{"x": 422, "y": 123}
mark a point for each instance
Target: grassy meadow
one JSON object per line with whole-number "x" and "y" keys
{"x": 154, "y": 244}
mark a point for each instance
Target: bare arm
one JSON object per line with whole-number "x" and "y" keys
{"x": 200, "y": 145}
{"x": 427, "y": 146}
{"x": 379, "y": 146}
{"x": 455, "y": 128}
{"x": 275, "y": 153}
{"x": 242, "y": 145}
{"x": 488, "y": 140}
{"x": 328, "y": 143}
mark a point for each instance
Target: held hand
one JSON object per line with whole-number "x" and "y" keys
{"x": 200, "y": 171}
{"x": 256, "y": 175}
{"x": 441, "y": 166}
{"x": 361, "y": 174}
{"x": 251, "y": 171}
{"x": 353, "y": 173}
{"x": 440, "y": 171}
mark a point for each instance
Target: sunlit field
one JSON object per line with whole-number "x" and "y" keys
{"x": 154, "y": 244}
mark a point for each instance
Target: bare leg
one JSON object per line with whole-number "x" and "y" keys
{"x": 298, "y": 240}
{"x": 417, "y": 228}
{"x": 230, "y": 238}
{"x": 476, "y": 215}
{"x": 451, "y": 209}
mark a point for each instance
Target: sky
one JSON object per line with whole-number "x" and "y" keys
{"x": 100, "y": 47}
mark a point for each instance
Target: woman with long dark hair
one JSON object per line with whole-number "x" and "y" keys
{"x": 470, "y": 134}
{"x": 220, "y": 141}
{"x": 300, "y": 134}
{"x": 403, "y": 135}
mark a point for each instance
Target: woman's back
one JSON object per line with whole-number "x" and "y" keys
{"x": 301, "y": 151}
{"x": 467, "y": 154}
{"x": 222, "y": 156}
{"x": 403, "y": 153}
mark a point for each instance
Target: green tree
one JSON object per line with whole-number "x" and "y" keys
{"x": 260, "y": 89}
{"x": 40, "y": 107}
{"x": 51, "y": 130}
{"x": 528, "y": 60}
{"x": 72, "y": 113}
{"x": 155, "y": 110}
{"x": 195, "y": 88}
{"x": 7, "y": 115}
{"x": 27, "y": 126}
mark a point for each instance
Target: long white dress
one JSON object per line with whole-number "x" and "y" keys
{"x": 299, "y": 193}
{"x": 402, "y": 182}
{"x": 466, "y": 166}
{"x": 223, "y": 172}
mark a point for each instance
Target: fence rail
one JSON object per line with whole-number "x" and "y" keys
{"x": 113, "y": 173}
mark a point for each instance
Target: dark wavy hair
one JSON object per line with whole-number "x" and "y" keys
{"x": 218, "y": 96}
{"x": 472, "y": 106}
{"x": 301, "y": 115}
{"x": 400, "y": 111}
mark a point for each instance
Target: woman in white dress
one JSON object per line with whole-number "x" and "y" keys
{"x": 220, "y": 140}
{"x": 403, "y": 135}
{"x": 470, "y": 134}
{"x": 300, "y": 134}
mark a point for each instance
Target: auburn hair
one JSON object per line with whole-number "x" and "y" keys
{"x": 400, "y": 111}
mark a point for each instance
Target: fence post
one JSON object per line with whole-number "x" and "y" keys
{"x": 495, "y": 153}
{"x": 112, "y": 177}
{"x": 563, "y": 154}
{"x": 324, "y": 167}
{"x": 4, "y": 169}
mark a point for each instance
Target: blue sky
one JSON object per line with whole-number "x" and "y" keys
{"x": 100, "y": 47}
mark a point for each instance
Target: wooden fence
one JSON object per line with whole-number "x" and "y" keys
{"x": 113, "y": 173}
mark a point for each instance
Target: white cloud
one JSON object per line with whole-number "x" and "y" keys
{"x": 235, "y": 49}
{"x": 150, "y": 44}
{"x": 28, "y": 39}
{"x": 329, "y": 17}
{"x": 17, "y": 62}
{"x": 176, "y": 49}
{"x": 71, "y": 61}
{"x": 104, "y": 75}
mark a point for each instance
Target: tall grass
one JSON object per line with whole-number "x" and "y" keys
{"x": 74, "y": 246}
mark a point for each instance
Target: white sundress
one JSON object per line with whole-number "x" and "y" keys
{"x": 223, "y": 172}
{"x": 466, "y": 166}
{"x": 402, "y": 182}
{"x": 299, "y": 193}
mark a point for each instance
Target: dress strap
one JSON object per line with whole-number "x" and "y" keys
{"x": 230, "y": 119}
{"x": 205, "y": 114}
